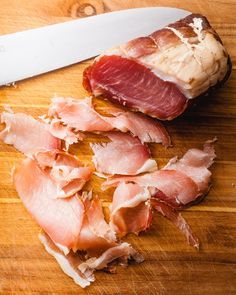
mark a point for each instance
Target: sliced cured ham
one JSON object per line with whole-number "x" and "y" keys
{"x": 173, "y": 187}
{"x": 69, "y": 222}
{"x": 61, "y": 219}
{"x": 78, "y": 114}
{"x": 139, "y": 125}
{"x": 64, "y": 132}
{"x": 124, "y": 155}
{"x": 95, "y": 235}
{"x": 177, "y": 219}
{"x": 180, "y": 182}
{"x": 80, "y": 270}
{"x": 69, "y": 263}
{"x": 124, "y": 251}
{"x": 27, "y": 134}
{"x": 66, "y": 171}
{"x": 195, "y": 164}
{"x": 74, "y": 222}
{"x": 130, "y": 211}
{"x": 81, "y": 115}
{"x": 159, "y": 74}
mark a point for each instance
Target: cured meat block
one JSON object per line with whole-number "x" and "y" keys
{"x": 160, "y": 74}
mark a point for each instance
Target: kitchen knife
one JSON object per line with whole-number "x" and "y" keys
{"x": 33, "y": 52}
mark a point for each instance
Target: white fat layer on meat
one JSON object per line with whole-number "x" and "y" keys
{"x": 192, "y": 67}
{"x": 99, "y": 174}
{"x": 123, "y": 250}
{"x": 64, "y": 262}
{"x": 64, "y": 249}
{"x": 197, "y": 28}
{"x": 144, "y": 196}
{"x": 149, "y": 166}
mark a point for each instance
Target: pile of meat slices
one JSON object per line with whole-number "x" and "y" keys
{"x": 50, "y": 182}
{"x": 157, "y": 75}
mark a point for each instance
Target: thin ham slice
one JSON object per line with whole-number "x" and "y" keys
{"x": 124, "y": 155}
{"x": 69, "y": 263}
{"x": 67, "y": 172}
{"x": 130, "y": 211}
{"x": 82, "y": 271}
{"x": 124, "y": 251}
{"x": 78, "y": 114}
{"x": 64, "y": 132}
{"x": 177, "y": 219}
{"x": 27, "y": 134}
{"x": 173, "y": 187}
{"x": 141, "y": 126}
{"x": 69, "y": 221}
{"x": 180, "y": 182}
{"x": 61, "y": 219}
{"x": 95, "y": 235}
{"x": 195, "y": 164}
{"x": 81, "y": 115}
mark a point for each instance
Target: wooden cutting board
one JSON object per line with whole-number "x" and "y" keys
{"x": 171, "y": 266}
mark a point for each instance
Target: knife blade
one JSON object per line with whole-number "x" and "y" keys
{"x": 37, "y": 51}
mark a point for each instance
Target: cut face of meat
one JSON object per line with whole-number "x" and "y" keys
{"x": 27, "y": 134}
{"x": 133, "y": 85}
{"x": 130, "y": 211}
{"x": 125, "y": 155}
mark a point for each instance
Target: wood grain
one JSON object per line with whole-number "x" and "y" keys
{"x": 171, "y": 266}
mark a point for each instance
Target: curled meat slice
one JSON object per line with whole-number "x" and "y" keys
{"x": 75, "y": 222}
{"x": 61, "y": 219}
{"x": 173, "y": 187}
{"x": 95, "y": 235}
{"x": 27, "y": 134}
{"x": 66, "y": 171}
{"x": 69, "y": 263}
{"x": 179, "y": 182}
{"x": 141, "y": 126}
{"x": 195, "y": 164}
{"x": 130, "y": 211}
{"x": 64, "y": 132}
{"x": 82, "y": 271}
{"x": 123, "y": 252}
{"x": 124, "y": 155}
{"x": 78, "y": 114}
{"x": 177, "y": 219}
{"x": 81, "y": 115}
